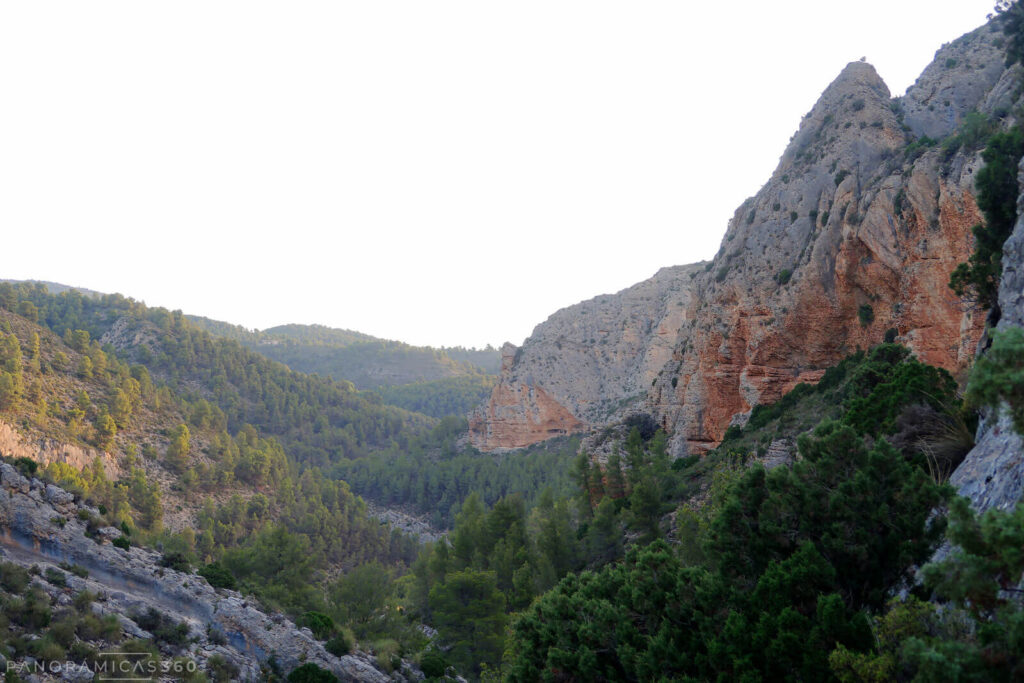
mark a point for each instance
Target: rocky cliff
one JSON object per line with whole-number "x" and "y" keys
{"x": 43, "y": 525}
{"x": 855, "y": 234}
{"x": 586, "y": 363}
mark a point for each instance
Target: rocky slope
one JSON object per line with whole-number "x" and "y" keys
{"x": 855, "y": 233}
{"x": 43, "y": 525}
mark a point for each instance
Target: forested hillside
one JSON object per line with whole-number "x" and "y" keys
{"x": 366, "y": 361}
{"x": 435, "y": 382}
{"x": 234, "y": 439}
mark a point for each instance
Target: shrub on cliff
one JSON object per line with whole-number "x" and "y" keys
{"x": 978, "y": 279}
{"x": 998, "y": 376}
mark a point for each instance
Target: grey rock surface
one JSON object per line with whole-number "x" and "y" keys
{"x": 133, "y": 581}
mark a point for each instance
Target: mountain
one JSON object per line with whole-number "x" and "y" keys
{"x": 852, "y": 239}
{"x": 366, "y": 361}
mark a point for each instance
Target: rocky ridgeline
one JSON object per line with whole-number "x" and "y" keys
{"x": 856, "y": 233}
{"x": 43, "y": 525}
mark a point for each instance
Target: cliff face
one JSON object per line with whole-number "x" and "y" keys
{"x": 992, "y": 474}
{"x": 855, "y": 233}
{"x": 586, "y": 363}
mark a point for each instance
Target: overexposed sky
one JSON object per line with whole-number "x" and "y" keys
{"x": 444, "y": 173}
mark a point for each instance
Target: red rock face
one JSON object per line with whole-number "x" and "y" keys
{"x": 518, "y": 416}
{"x": 765, "y": 348}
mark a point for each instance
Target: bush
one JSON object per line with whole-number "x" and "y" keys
{"x": 176, "y": 561}
{"x": 722, "y": 272}
{"x": 996, "y": 376}
{"x": 782, "y": 277}
{"x": 433, "y": 664}
{"x": 342, "y": 643}
{"x": 866, "y": 315}
{"x": 121, "y": 542}
{"x": 164, "y": 629}
{"x": 840, "y": 177}
{"x": 13, "y": 579}
{"x": 221, "y": 669}
{"x": 311, "y": 673}
{"x": 388, "y": 654}
{"x": 46, "y": 649}
{"x": 319, "y": 623}
{"x": 83, "y": 600}
{"x": 217, "y": 576}
{"x": 56, "y": 577}
{"x": 33, "y": 611}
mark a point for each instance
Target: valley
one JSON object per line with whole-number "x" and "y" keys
{"x": 800, "y": 460}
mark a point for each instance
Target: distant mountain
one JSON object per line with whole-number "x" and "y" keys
{"x": 57, "y": 287}
{"x": 366, "y": 361}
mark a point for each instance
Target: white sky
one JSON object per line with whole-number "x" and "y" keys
{"x": 431, "y": 171}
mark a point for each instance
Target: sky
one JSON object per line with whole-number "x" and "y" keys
{"x": 442, "y": 173}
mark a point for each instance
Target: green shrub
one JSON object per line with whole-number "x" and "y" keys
{"x": 841, "y": 176}
{"x": 83, "y": 600}
{"x": 342, "y": 643}
{"x": 63, "y": 629}
{"x": 221, "y": 669}
{"x": 722, "y": 272}
{"x": 32, "y": 611}
{"x": 433, "y": 664}
{"x": 92, "y": 627}
{"x": 998, "y": 376}
{"x": 388, "y": 654}
{"x": 319, "y": 623}
{"x": 176, "y": 561}
{"x": 164, "y": 628}
{"x": 13, "y": 579}
{"x": 218, "y": 576}
{"x": 77, "y": 570}
{"x": 46, "y": 649}
{"x": 866, "y": 314}
{"x": 26, "y": 466}
{"x": 121, "y": 542}
{"x": 56, "y": 577}
{"x": 311, "y": 673}
{"x": 782, "y": 277}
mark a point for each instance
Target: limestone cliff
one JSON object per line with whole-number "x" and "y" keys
{"x": 586, "y": 363}
{"x": 855, "y": 233}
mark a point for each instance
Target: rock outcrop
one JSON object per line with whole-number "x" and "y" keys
{"x": 45, "y": 451}
{"x": 43, "y": 525}
{"x": 856, "y": 233}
